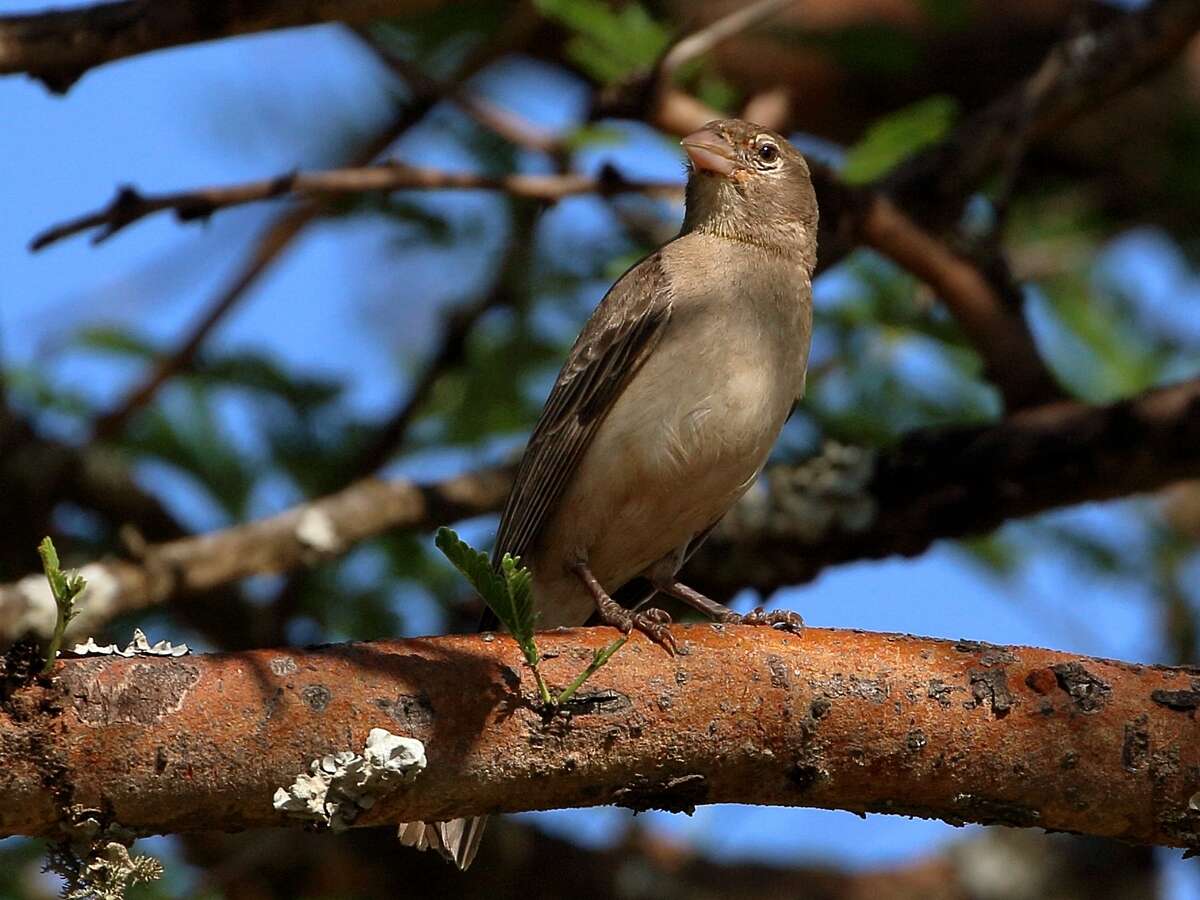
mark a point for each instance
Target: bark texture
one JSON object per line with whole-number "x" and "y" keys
{"x": 965, "y": 732}
{"x": 59, "y": 45}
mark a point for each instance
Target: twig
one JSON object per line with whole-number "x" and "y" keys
{"x": 515, "y": 129}
{"x": 129, "y": 205}
{"x": 267, "y": 249}
{"x": 705, "y": 39}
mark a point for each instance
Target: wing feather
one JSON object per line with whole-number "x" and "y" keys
{"x": 614, "y": 344}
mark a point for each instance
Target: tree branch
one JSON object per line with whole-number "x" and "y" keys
{"x": 964, "y": 732}
{"x": 848, "y": 503}
{"x": 995, "y": 328}
{"x": 129, "y": 205}
{"x": 703, "y": 40}
{"x": 59, "y": 46}
{"x": 852, "y": 504}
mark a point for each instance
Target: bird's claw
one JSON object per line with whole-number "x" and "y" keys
{"x": 782, "y": 619}
{"x": 653, "y": 623}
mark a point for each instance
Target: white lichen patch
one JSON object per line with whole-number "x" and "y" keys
{"x": 139, "y": 646}
{"x": 338, "y": 787}
{"x": 101, "y": 600}
{"x": 315, "y": 530}
{"x": 37, "y": 612}
{"x": 96, "y": 604}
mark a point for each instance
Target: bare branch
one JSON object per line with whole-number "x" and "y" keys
{"x": 996, "y": 329}
{"x": 60, "y": 45}
{"x": 129, "y": 205}
{"x": 513, "y": 128}
{"x": 966, "y": 732}
{"x": 703, "y": 40}
{"x": 847, "y": 504}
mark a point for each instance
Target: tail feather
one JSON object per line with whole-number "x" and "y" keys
{"x": 457, "y": 840}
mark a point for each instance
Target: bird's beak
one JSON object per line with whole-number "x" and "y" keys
{"x": 710, "y": 152}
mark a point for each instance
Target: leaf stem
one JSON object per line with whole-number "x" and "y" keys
{"x": 64, "y": 588}
{"x": 547, "y": 698}
{"x": 599, "y": 658}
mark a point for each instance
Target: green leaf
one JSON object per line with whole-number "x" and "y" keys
{"x": 608, "y": 43}
{"x": 474, "y": 565}
{"x": 65, "y": 586}
{"x": 895, "y": 137}
{"x": 519, "y": 582}
{"x": 508, "y": 592}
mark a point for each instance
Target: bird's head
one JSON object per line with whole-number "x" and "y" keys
{"x": 748, "y": 183}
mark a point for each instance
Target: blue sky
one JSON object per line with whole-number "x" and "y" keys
{"x": 345, "y": 303}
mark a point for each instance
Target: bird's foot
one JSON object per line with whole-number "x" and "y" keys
{"x": 781, "y": 619}
{"x": 654, "y": 623}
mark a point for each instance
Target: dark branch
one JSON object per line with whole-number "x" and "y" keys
{"x": 60, "y": 45}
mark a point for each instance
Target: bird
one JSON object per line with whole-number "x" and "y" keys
{"x": 667, "y": 407}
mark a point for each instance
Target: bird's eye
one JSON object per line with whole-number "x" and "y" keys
{"x": 768, "y": 152}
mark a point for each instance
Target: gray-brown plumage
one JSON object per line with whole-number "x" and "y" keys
{"x": 669, "y": 403}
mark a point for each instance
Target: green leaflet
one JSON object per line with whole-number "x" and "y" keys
{"x": 897, "y": 136}
{"x": 65, "y": 586}
{"x": 508, "y": 593}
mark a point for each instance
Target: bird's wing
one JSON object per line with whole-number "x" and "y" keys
{"x": 614, "y": 344}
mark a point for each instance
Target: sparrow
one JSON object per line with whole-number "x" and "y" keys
{"x": 668, "y": 405}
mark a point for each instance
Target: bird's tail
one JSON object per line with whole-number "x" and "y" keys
{"x": 456, "y": 840}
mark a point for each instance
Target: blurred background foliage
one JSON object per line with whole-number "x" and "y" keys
{"x": 1099, "y": 224}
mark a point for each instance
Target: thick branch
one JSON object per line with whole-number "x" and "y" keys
{"x": 849, "y": 503}
{"x": 852, "y": 504}
{"x": 304, "y": 535}
{"x": 835, "y": 719}
{"x": 129, "y": 205}
{"x": 60, "y": 45}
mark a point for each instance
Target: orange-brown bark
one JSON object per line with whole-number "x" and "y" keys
{"x": 849, "y": 720}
